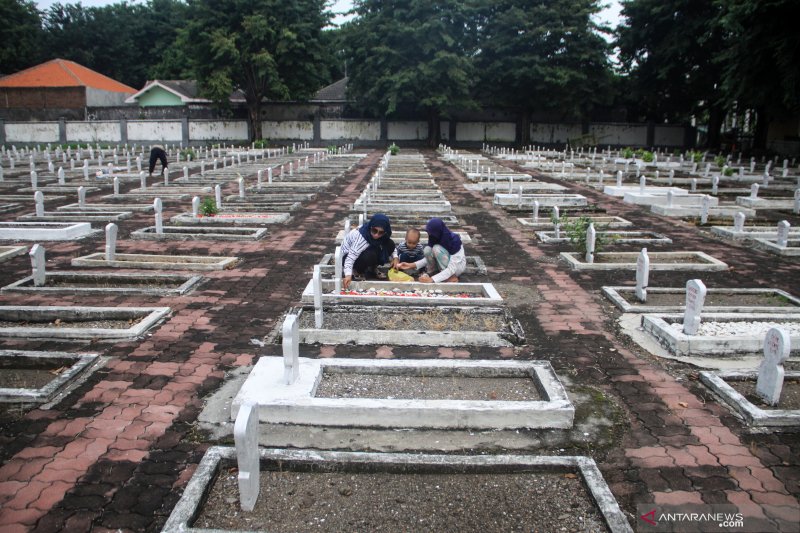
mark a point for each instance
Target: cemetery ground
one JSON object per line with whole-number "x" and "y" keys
{"x": 117, "y": 451}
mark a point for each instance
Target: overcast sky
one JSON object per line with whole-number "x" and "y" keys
{"x": 610, "y": 15}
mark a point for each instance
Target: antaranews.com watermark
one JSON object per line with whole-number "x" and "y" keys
{"x": 692, "y": 517}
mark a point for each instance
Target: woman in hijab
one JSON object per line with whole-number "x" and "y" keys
{"x": 364, "y": 248}
{"x": 444, "y": 255}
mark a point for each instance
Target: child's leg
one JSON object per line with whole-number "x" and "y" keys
{"x": 430, "y": 259}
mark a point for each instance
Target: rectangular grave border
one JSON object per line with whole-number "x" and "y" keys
{"x": 696, "y": 211}
{"x": 5, "y": 208}
{"x": 546, "y": 223}
{"x": 754, "y": 416}
{"x": 751, "y": 232}
{"x": 46, "y": 231}
{"x": 678, "y": 343}
{"x": 80, "y": 367}
{"x": 297, "y": 404}
{"x": 77, "y": 216}
{"x": 511, "y": 200}
{"x": 9, "y": 252}
{"x": 150, "y": 316}
{"x": 187, "y": 284}
{"x": 143, "y": 208}
{"x": 491, "y": 296}
{"x": 475, "y": 265}
{"x": 267, "y": 217}
{"x": 646, "y": 237}
{"x": 705, "y": 263}
{"x": 613, "y": 294}
{"x": 217, "y": 458}
{"x": 771, "y": 246}
{"x": 157, "y": 262}
{"x": 199, "y": 233}
{"x": 414, "y": 337}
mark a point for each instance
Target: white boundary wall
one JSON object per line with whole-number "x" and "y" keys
{"x": 360, "y": 130}
{"x": 155, "y": 130}
{"x": 91, "y": 132}
{"x": 218, "y": 130}
{"x": 288, "y": 129}
{"x": 31, "y": 132}
{"x": 330, "y": 130}
{"x": 407, "y": 131}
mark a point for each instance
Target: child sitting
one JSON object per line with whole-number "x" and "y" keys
{"x": 409, "y": 251}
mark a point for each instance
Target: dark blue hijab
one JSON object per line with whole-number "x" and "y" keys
{"x": 378, "y": 220}
{"x": 438, "y": 233}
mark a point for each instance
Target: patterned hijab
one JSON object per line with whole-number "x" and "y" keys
{"x": 438, "y": 233}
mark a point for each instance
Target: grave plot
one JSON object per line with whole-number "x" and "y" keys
{"x": 621, "y": 190}
{"x": 403, "y": 221}
{"x": 475, "y": 266}
{"x": 345, "y": 486}
{"x": 157, "y": 262}
{"x": 673, "y": 299}
{"x": 106, "y": 283}
{"x": 789, "y": 247}
{"x": 718, "y": 334}
{"x": 9, "y": 252}
{"x": 224, "y": 217}
{"x": 5, "y": 208}
{"x": 536, "y": 187}
{"x": 38, "y": 377}
{"x": 199, "y": 233}
{"x": 45, "y": 231}
{"x": 409, "y": 205}
{"x": 676, "y": 261}
{"x": 612, "y": 237}
{"x": 545, "y": 200}
{"x": 106, "y": 207}
{"x": 26, "y": 198}
{"x": 607, "y": 221}
{"x": 752, "y": 232}
{"x": 737, "y": 390}
{"x": 412, "y": 326}
{"x": 410, "y": 293}
{"x": 764, "y": 398}
{"x": 668, "y": 200}
{"x": 60, "y": 322}
{"x": 76, "y": 216}
{"x": 415, "y": 394}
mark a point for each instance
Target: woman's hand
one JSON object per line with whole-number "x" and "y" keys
{"x": 405, "y": 266}
{"x": 424, "y": 278}
{"x": 346, "y": 281}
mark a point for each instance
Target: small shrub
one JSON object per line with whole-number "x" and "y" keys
{"x": 694, "y": 157}
{"x": 647, "y": 156}
{"x": 208, "y": 207}
{"x": 260, "y": 143}
{"x": 576, "y": 230}
{"x": 332, "y": 149}
{"x": 627, "y": 153}
{"x": 189, "y": 154}
{"x": 394, "y": 149}
{"x": 728, "y": 171}
{"x": 719, "y": 161}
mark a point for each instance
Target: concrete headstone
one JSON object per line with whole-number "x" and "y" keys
{"x": 245, "y": 436}
{"x": 695, "y": 297}
{"x": 291, "y": 349}
{"x": 591, "y": 239}
{"x": 738, "y": 222}
{"x": 317, "y": 285}
{"x": 783, "y": 233}
{"x": 770, "y": 372}
{"x": 158, "y": 208}
{"x": 642, "y": 275}
{"x": 111, "y": 241}
{"x": 218, "y": 196}
{"x": 704, "y": 207}
{"x": 38, "y": 199}
{"x": 38, "y": 265}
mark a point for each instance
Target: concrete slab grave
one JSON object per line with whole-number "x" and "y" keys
{"x": 725, "y": 300}
{"x": 220, "y": 459}
{"x": 614, "y": 237}
{"x": 475, "y": 265}
{"x": 157, "y": 262}
{"x": 78, "y": 323}
{"x": 46, "y": 231}
{"x": 198, "y": 233}
{"x": 677, "y": 261}
{"x": 36, "y": 377}
{"x": 107, "y": 283}
{"x": 411, "y": 293}
{"x": 9, "y": 252}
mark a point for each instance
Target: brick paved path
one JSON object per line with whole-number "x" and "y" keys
{"x": 116, "y": 453}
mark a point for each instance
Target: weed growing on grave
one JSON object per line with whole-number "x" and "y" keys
{"x": 208, "y": 207}
{"x": 695, "y": 157}
{"x": 260, "y": 143}
{"x": 577, "y": 228}
{"x": 189, "y": 154}
{"x": 627, "y": 153}
{"x": 332, "y": 149}
{"x": 394, "y": 149}
{"x": 645, "y": 155}
{"x": 728, "y": 171}
{"x": 719, "y": 161}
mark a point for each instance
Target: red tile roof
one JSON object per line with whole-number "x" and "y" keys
{"x": 63, "y": 73}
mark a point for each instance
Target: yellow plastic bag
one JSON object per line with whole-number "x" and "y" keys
{"x": 396, "y": 275}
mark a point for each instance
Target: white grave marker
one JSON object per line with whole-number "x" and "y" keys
{"x": 142, "y": 180}
{"x": 783, "y": 233}
{"x": 38, "y": 198}
{"x": 291, "y": 349}
{"x": 642, "y": 275}
{"x": 245, "y": 436}
{"x": 337, "y": 266}
{"x": 34, "y": 180}
{"x": 81, "y": 196}
{"x": 695, "y": 297}
{"x": 241, "y": 188}
{"x": 158, "y": 207}
{"x": 61, "y": 175}
{"x": 111, "y": 241}
{"x": 738, "y": 222}
{"x": 770, "y": 371}
{"x": 754, "y": 191}
{"x": 704, "y": 207}
{"x": 38, "y": 265}
{"x": 535, "y": 211}
{"x": 195, "y": 207}
{"x": 591, "y": 239}
{"x": 218, "y": 196}
{"x": 317, "y": 284}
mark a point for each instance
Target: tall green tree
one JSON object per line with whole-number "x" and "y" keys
{"x": 669, "y": 50}
{"x": 542, "y": 56}
{"x": 124, "y": 41}
{"x": 761, "y": 59}
{"x": 20, "y": 35}
{"x": 410, "y": 54}
{"x": 267, "y": 48}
